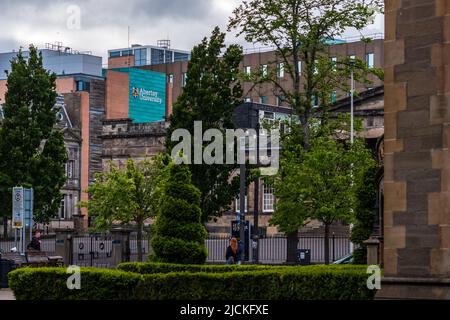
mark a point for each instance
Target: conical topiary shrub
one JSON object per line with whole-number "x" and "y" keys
{"x": 179, "y": 234}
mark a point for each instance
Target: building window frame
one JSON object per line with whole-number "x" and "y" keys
{"x": 237, "y": 204}
{"x": 264, "y": 70}
{"x": 280, "y": 70}
{"x": 268, "y": 198}
{"x": 370, "y": 60}
{"x": 184, "y": 79}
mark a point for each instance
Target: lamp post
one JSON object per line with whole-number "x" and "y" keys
{"x": 242, "y": 193}
{"x": 352, "y": 248}
{"x": 256, "y": 204}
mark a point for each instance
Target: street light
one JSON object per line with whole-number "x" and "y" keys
{"x": 352, "y": 86}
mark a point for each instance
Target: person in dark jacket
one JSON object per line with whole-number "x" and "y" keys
{"x": 232, "y": 253}
{"x": 35, "y": 243}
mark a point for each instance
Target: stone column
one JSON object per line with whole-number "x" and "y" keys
{"x": 120, "y": 245}
{"x": 64, "y": 245}
{"x": 372, "y": 251}
{"x": 417, "y": 158}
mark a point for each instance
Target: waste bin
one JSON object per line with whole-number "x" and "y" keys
{"x": 5, "y": 267}
{"x": 304, "y": 257}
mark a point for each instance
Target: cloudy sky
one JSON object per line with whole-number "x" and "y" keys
{"x": 104, "y": 23}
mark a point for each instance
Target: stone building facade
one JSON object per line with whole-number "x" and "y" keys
{"x": 123, "y": 140}
{"x": 416, "y": 145}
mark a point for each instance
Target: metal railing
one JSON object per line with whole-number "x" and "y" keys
{"x": 273, "y": 249}
{"x": 96, "y": 249}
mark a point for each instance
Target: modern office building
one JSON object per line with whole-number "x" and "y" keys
{"x": 60, "y": 60}
{"x": 145, "y": 55}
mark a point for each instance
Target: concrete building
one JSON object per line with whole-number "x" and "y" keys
{"x": 60, "y": 60}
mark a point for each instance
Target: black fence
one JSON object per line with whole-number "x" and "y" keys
{"x": 134, "y": 247}
{"x": 92, "y": 250}
{"x": 273, "y": 249}
{"x": 47, "y": 245}
{"x": 96, "y": 249}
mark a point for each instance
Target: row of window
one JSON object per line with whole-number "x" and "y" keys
{"x": 281, "y": 99}
{"x": 158, "y": 56}
{"x": 370, "y": 61}
{"x": 268, "y": 200}
{"x": 170, "y": 78}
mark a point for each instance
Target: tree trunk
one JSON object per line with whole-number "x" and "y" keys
{"x": 5, "y": 227}
{"x": 327, "y": 243}
{"x": 139, "y": 239}
{"x": 292, "y": 241}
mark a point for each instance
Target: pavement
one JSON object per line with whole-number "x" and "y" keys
{"x": 6, "y": 294}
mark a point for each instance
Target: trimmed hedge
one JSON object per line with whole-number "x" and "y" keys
{"x": 159, "y": 267}
{"x": 277, "y": 284}
{"x": 51, "y": 284}
{"x": 274, "y": 283}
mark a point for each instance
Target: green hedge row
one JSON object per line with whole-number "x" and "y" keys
{"x": 277, "y": 283}
{"x": 159, "y": 267}
{"x": 51, "y": 284}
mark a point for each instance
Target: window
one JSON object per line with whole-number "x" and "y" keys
{"x": 280, "y": 70}
{"x": 334, "y": 63}
{"x": 127, "y": 53}
{"x": 70, "y": 169}
{"x": 140, "y": 57}
{"x": 169, "y": 55}
{"x": 114, "y": 54}
{"x": 263, "y": 99}
{"x": 269, "y": 117}
{"x": 370, "y": 60}
{"x": 170, "y": 78}
{"x": 247, "y": 99}
{"x": 248, "y": 70}
{"x": 178, "y": 56}
{"x": 83, "y": 86}
{"x": 264, "y": 70}
{"x": 280, "y": 100}
{"x": 268, "y": 198}
{"x": 333, "y": 97}
{"x": 184, "y": 79}
{"x": 299, "y": 64}
{"x": 238, "y": 204}
{"x": 62, "y": 209}
{"x": 352, "y": 57}
{"x": 157, "y": 56}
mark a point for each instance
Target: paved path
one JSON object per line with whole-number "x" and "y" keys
{"x": 6, "y": 294}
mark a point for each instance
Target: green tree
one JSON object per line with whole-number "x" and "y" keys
{"x": 211, "y": 94}
{"x": 32, "y": 152}
{"x": 179, "y": 232}
{"x": 323, "y": 183}
{"x": 365, "y": 214}
{"x": 131, "y": 194}
{"x": 301, "y": 31}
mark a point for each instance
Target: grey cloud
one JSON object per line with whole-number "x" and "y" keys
{"x": 185, "y": 9}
